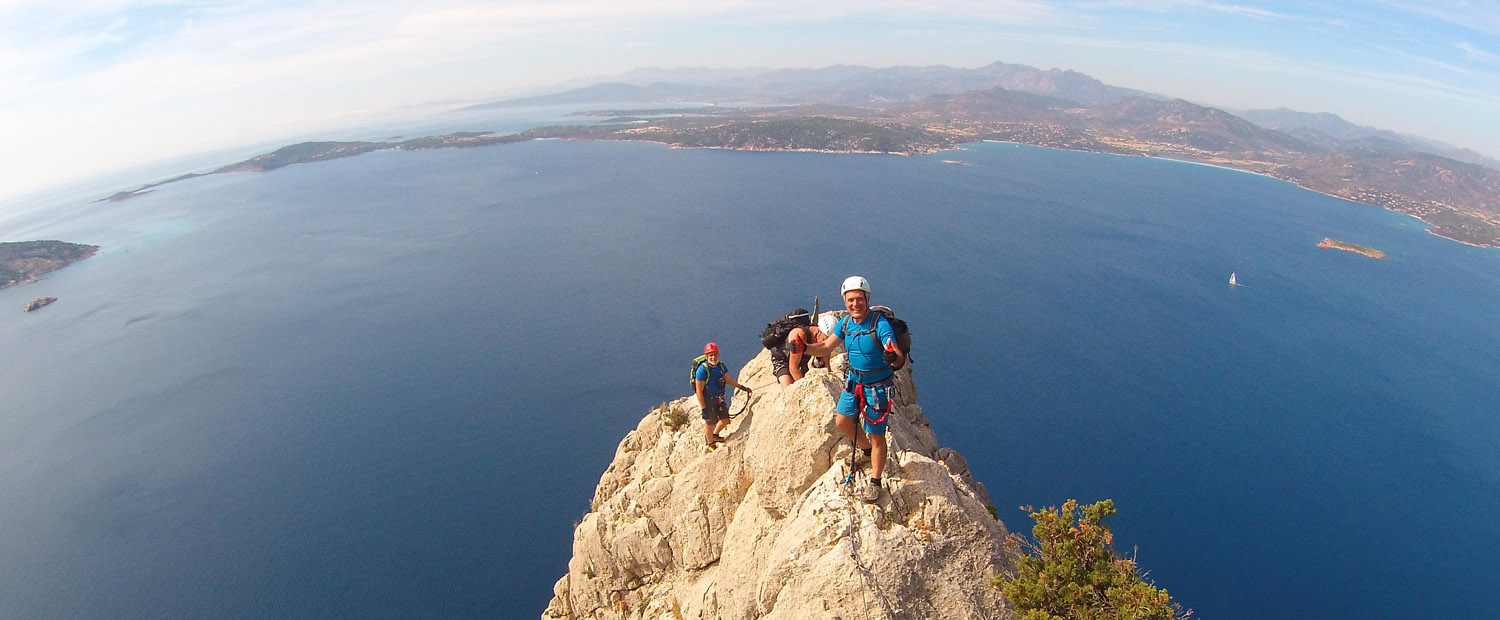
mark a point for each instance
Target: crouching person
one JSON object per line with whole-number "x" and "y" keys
{"x": 789, "y": 362}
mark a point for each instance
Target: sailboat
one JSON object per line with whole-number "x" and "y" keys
{"x": 1231, "y": 279}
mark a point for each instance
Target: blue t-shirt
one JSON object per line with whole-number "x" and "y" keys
{"x": 713, "y": 376}
{"x": 864, "y": 355}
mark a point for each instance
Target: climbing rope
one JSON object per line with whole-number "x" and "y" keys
{"x": 743, "y": 410}
{"x": 750, "y": 399}
{"x": 867, "y": 579}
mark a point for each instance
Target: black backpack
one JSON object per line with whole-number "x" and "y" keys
{"x": 903, "y": 332}
{"x": 776, "y": 331}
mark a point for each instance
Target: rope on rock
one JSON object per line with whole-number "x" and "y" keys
{"x": 867, "y": 579}
{"x": 750, "y": 400}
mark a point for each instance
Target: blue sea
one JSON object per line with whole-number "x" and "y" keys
{"x": 385, "y": 386}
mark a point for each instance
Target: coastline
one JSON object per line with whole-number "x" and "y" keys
{"x": 33, "y": 268}
{"x": 1428, "y": 227}
{"x": 1435, "y": 233}
{"x": 731, "y": 148}
{"x": 461, "y": 140}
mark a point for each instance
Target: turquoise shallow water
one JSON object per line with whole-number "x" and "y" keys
{"x": 385, "y": 386}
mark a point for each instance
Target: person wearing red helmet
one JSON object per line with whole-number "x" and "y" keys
{"x": 709, "y": 379}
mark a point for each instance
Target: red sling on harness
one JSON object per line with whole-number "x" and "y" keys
{"x": 863, "y": 405}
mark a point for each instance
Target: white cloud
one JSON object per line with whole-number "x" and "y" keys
{"x": 1243, "y": 65}
{"x": 1474, "y": 52}
{"x": 1479, "y": 16}
{"x": 222, "y": 47}
{"x": 1425, "y": 60}
{"x": 1199, "y": 5}
{"x": 94, "y": 84}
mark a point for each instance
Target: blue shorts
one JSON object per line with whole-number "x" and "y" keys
{"x": 877, "y": 400}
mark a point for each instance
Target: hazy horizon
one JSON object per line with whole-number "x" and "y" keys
{"x": 101, "y": 86}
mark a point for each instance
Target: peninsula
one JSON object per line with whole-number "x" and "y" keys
{"x": 1333, "y": 244}
{"x": 25, "y": 261}
{"x": 911, "y": 111}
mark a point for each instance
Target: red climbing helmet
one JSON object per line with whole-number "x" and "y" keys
{"x": 710, "y": 348}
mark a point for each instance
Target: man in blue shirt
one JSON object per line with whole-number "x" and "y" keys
{"x": 873, "y": 357}
{"x": 708, "y": 383}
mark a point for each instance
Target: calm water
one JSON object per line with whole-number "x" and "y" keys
{"x": 385, "y": 386}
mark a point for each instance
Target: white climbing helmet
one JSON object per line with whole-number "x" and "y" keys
{"x": 855, "y": 283}
{"x": 827, "y": 322}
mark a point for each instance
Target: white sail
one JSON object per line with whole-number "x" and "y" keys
{"x": 1231, "y": 279}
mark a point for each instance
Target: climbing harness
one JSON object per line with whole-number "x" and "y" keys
{"x": 861, "y": 403}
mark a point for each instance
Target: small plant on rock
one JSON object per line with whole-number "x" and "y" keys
{"x": 1070, "y": 571}
{"x": 672, "y": 418}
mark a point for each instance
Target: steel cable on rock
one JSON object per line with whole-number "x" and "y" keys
{"x": 867, "y": 578}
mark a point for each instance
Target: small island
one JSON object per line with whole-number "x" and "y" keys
{"x": 1332, "y": 244}
{"x": 25, "y": 261}
{"x": 39, "y": 302}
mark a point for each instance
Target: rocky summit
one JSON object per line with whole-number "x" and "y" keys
{"x": 767, "y": 525}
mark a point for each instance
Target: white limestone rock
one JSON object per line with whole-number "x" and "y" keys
{"x": 765, "y": 526}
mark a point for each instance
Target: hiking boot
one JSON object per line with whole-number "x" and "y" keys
{"x": 868, "y": 492}
{"x": 861, "y": 457}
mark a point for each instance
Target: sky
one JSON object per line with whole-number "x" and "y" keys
{"x": 90, "y": 87}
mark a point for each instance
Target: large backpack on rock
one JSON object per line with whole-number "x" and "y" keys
{"x": 903, "y": 331}
{"x": 776, "y": 331}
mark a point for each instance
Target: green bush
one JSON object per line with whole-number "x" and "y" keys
{"x": 1070, "y": 571}
{"x": 671, "y": 418}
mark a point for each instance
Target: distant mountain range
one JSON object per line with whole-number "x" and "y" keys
{"x": 838, "y": 84}
{"x": 1333, "y": 132}
{"x": 911, "y": 110}
{"x": 861, "y": 86}
{"x": 1455, "y": 189}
